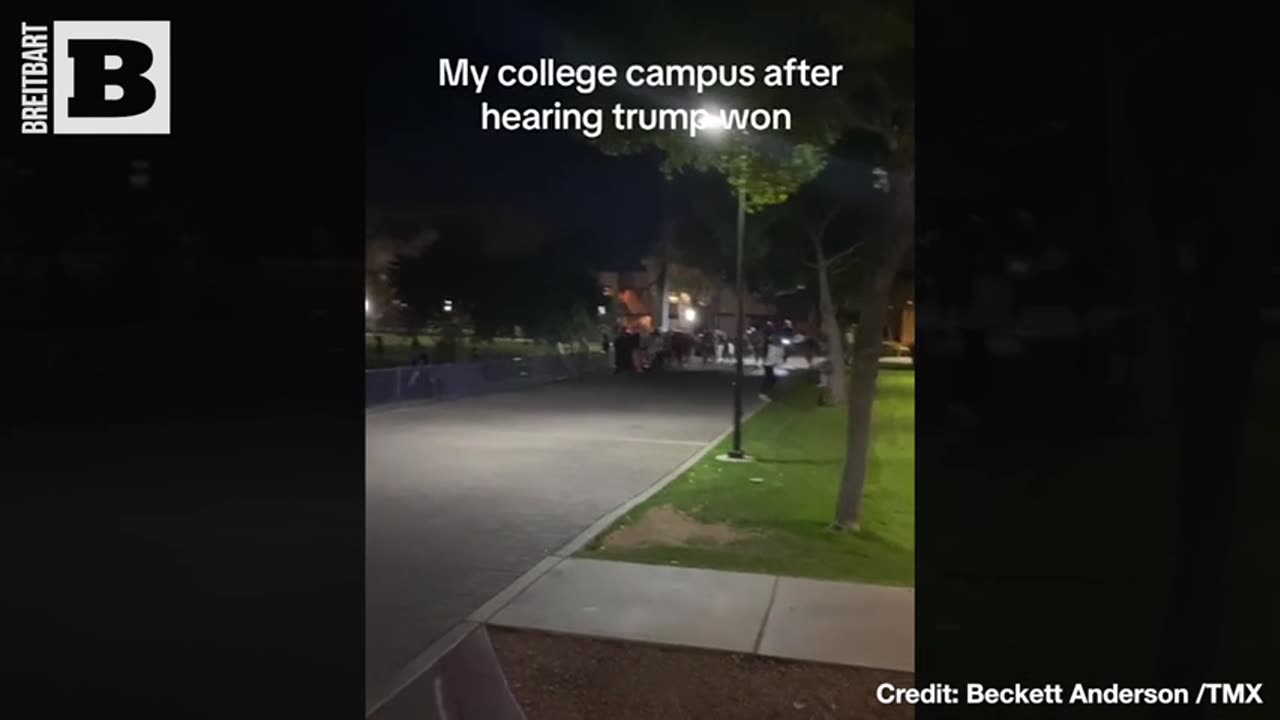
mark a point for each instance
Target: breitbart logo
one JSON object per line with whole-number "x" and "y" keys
{"x": 95, "y": 78}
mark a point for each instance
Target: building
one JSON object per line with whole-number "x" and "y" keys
{"x": 692, "y": 301}
{"x": 695, "y": 302}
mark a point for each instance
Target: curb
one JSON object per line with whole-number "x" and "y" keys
{"x": 584, "y": 537}
{"x": 420, "y": 665}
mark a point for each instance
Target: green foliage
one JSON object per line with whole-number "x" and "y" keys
{"x": 550, "y": 294}
{"x": 768, "y": 175}
{"x": 872, "y": 39}
{"x": 869, "y": 116}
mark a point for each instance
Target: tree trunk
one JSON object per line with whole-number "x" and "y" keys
{"x": 830, "y": 328}
{"x": 866, "y": 350}
{"x": 862, "y": 388}
{"x": 663, "y": 303}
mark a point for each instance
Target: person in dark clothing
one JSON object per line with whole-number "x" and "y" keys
{"x": 621, "y": 352}
{"x": 418, "y": 353}
{"x": 773, "y": 357}
{"x": 708, "y": 347}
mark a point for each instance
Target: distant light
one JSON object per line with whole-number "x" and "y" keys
{"x": 600, "y": 310}
{"x": 786, "y": 341}
{"x": 673, "y": 298}
{"x": 448, "y": 306}
{"x": 690, "y": 315}
{"x": 368, "y": 307}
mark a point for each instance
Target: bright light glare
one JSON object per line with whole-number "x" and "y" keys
{"x": 600, "y": 310}
{"x": 690, "y": 315}
{"x": 368, "y": 307}
{"x": 710, "y": 121}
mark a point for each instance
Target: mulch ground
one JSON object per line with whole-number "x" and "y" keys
{"x": 560, "y": 677}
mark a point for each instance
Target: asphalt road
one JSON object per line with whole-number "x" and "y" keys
{"x": 463, "y": 497}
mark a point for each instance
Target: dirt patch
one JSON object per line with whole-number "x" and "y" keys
{"x": 666, "y": 525}
{"x": 559, "y": 677}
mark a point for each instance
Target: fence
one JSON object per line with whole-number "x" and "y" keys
{"x": 449, "y": 381}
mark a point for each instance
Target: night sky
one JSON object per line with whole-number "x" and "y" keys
{"x": 425, "y": 146}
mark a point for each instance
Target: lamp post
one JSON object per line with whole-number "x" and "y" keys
{"x": 738, "y": 374}
{"x": 713, "y": 124}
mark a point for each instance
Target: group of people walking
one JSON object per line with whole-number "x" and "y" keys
{"x": 637, "y": 351}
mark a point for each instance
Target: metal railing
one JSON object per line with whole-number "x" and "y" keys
{"x": 448, "y": 381}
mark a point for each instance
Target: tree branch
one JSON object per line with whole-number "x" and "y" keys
{"x": 884, "y": 133}
{"x": 821, "y": 228}
{"x": 844, "y": 253}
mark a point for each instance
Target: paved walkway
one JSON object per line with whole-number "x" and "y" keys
{"x": 833, "y": 622}
{"x": 464, "y": 497}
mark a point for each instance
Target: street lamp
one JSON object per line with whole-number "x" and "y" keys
{"x": 714, "y": 126}
{"x": 690, "y": 315}
{"x": 739, "y": 375}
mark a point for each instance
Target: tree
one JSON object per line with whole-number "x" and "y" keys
{"x": 824, "y": 228}
{"x": 549, "y": 293}
{"x": 878, "y": 38}
{"x": 706, "y": 244}
{"x": 764, "y": 169}
{"x": 873, "y": 39}
{"x": 392, "y": 234}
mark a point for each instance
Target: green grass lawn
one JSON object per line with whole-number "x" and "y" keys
{"x": 799, "y": 451}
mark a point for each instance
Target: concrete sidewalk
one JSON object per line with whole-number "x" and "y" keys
{"x": 832, "y": 622}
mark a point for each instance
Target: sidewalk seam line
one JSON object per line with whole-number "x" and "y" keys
{"x": 773, "y": 595}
